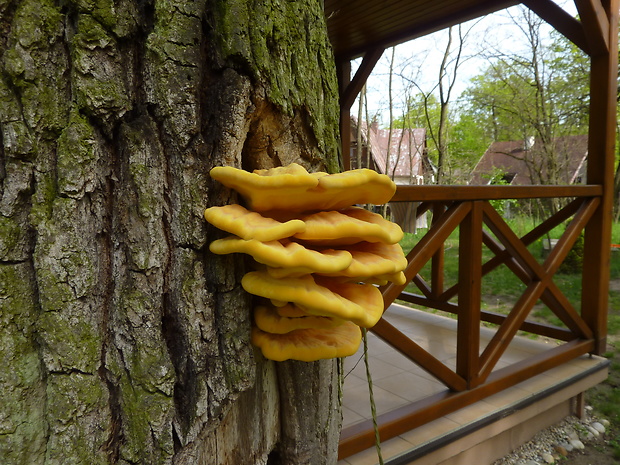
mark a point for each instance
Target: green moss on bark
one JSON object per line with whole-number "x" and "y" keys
{"x": 77, "y": 157}
{"x": 67, "y": 276}
{"x": 11, "y": 233}
{"x": 22, "y": 409}
{"x": 119, "y": 17}
{"x": 99, "y": 75}
{"x": 144, "y": 374}
{"x": 78, "y": 418}
{"x": 35, "y": 62}
{"x": 174, "y": 67}
{"x": 284, "y": 46}
{"x": 35, "y": 21}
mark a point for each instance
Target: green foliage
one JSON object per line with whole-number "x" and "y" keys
{"x": 492, "y": 98}
{"x": 468, "y": 141}
{"x": 541, "y": 91}
{"x": 501, "y": 287}
{"x": 573, "y": 263}
{"x": 545, "y": 95}
{"x": 422, "y": 112}
{"x": 498, "y": 178}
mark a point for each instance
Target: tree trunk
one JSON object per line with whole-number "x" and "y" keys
{"x": 124, "y": 341}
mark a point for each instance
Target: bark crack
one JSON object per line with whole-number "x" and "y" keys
{"x": 112, "y": 444}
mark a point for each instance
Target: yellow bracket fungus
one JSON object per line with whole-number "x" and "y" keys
{"x": 373, "y": 259}
{"x": 348, "y": 227}
{"x": 309, "y": 345}
{"x": 269, "y": 319}
{"x": 290, "y": 311}
{"x": 285, "y": 254}
{"x": 248, "y": 225}
{"x": 292, "y": 188}
{"x": 321, "y": 254}
{"x": 342, "y": 190}
{"x": 359, "y": 303}
{"x": 265, "y": 189}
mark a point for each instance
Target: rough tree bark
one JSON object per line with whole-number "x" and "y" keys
{"x": 123, "y": 340}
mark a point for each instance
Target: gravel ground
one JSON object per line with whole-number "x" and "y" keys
{"x": 570, "y": 442}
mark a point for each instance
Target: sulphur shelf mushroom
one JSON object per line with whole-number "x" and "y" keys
{"x": 359, "y": 303}
{"x": 248, "y": 225}
{"x": 371, "y": 263}
{"x": 309, "y": 345}
{"x": 349, "y": 226}
{"x": 270, "y": 319}
{"x": 292, "y": 188}
{"x": 319, "y": 255}
{"x": 285, "y": 254}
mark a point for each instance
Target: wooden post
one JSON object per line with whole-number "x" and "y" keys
{"x": 579, "y": 405}
{"x": 601, "y": 141}
{"x": 470, "y": 264}
{"x": 437, "y": 262}
{"x": 344, "y": 79}
{"x": 349, "y": 89}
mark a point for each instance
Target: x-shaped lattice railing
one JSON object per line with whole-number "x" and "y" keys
{"x": 473, "y": 369}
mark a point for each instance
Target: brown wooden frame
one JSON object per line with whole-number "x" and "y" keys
{"x": 474, "y": 378}
{"x": 469, "y": 208}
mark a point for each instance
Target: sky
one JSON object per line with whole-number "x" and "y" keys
{"x": 419, "y": 60}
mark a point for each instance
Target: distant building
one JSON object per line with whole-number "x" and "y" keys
{"x": 526, "y": 162}
{"x": 407, "y": 151}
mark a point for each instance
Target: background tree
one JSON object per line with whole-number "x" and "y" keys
{"x": 123, "y": 339}
{"x": 433, "y": 105}
{"x": 541, "y": 91}
{"x": 422, "y": 111}
{"x": 468, "y": 141}
{"x": 539, "y": 94}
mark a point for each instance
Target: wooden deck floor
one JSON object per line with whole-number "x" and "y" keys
{"x": 513, "y": 414}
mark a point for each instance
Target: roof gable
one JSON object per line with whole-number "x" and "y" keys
{"x": 406, "y": 149}
{"x": 526, "y": 162}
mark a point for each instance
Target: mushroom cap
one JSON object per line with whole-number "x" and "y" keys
{"x": 269, "y": 319}
{"x": 348, "y": 226}
{"x": 356, "y": 187}
{"x": 283, "y": 254}
{"x": 293, "y": 188}
{"x": 309, "y": 345}
{"x": 392, "y": 252}
{"x": 262, "y": 188}
{"x": 292, "y": 272}
{"x": 290, "y": 311}
{"x": 397, "y": 278}
{"x": 367, "y": 296}
{"x": 394, "y": 230}
{"x": 380, "y": 280}
{"x": 246, "y": 224}
{"x": 374, "y": 260}
{"x": 359, "y": 303}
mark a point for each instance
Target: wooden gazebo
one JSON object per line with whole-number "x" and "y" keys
{"x": 364, "y": 28}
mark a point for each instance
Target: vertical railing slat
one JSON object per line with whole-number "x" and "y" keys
{"x": 468, "y": 328}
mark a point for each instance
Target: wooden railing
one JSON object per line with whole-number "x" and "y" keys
{"x": 475, "y": 376}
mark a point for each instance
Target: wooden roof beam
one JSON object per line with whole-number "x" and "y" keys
{"x": 349, "y": 89}
{"x": 564, "y": 23}
{"x": 352, "y": 89}
{"x": 596, "y": 23}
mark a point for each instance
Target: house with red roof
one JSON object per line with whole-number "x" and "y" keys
{"x": 399, "y": 153}
{"x": 532, "y": 162}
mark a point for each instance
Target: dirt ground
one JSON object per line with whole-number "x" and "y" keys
{"x": 593, "y": 454}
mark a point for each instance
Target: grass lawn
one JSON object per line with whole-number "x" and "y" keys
{"x": 501, "y": 287}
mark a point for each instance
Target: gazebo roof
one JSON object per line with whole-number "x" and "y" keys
{"x": 356, "y": 26}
